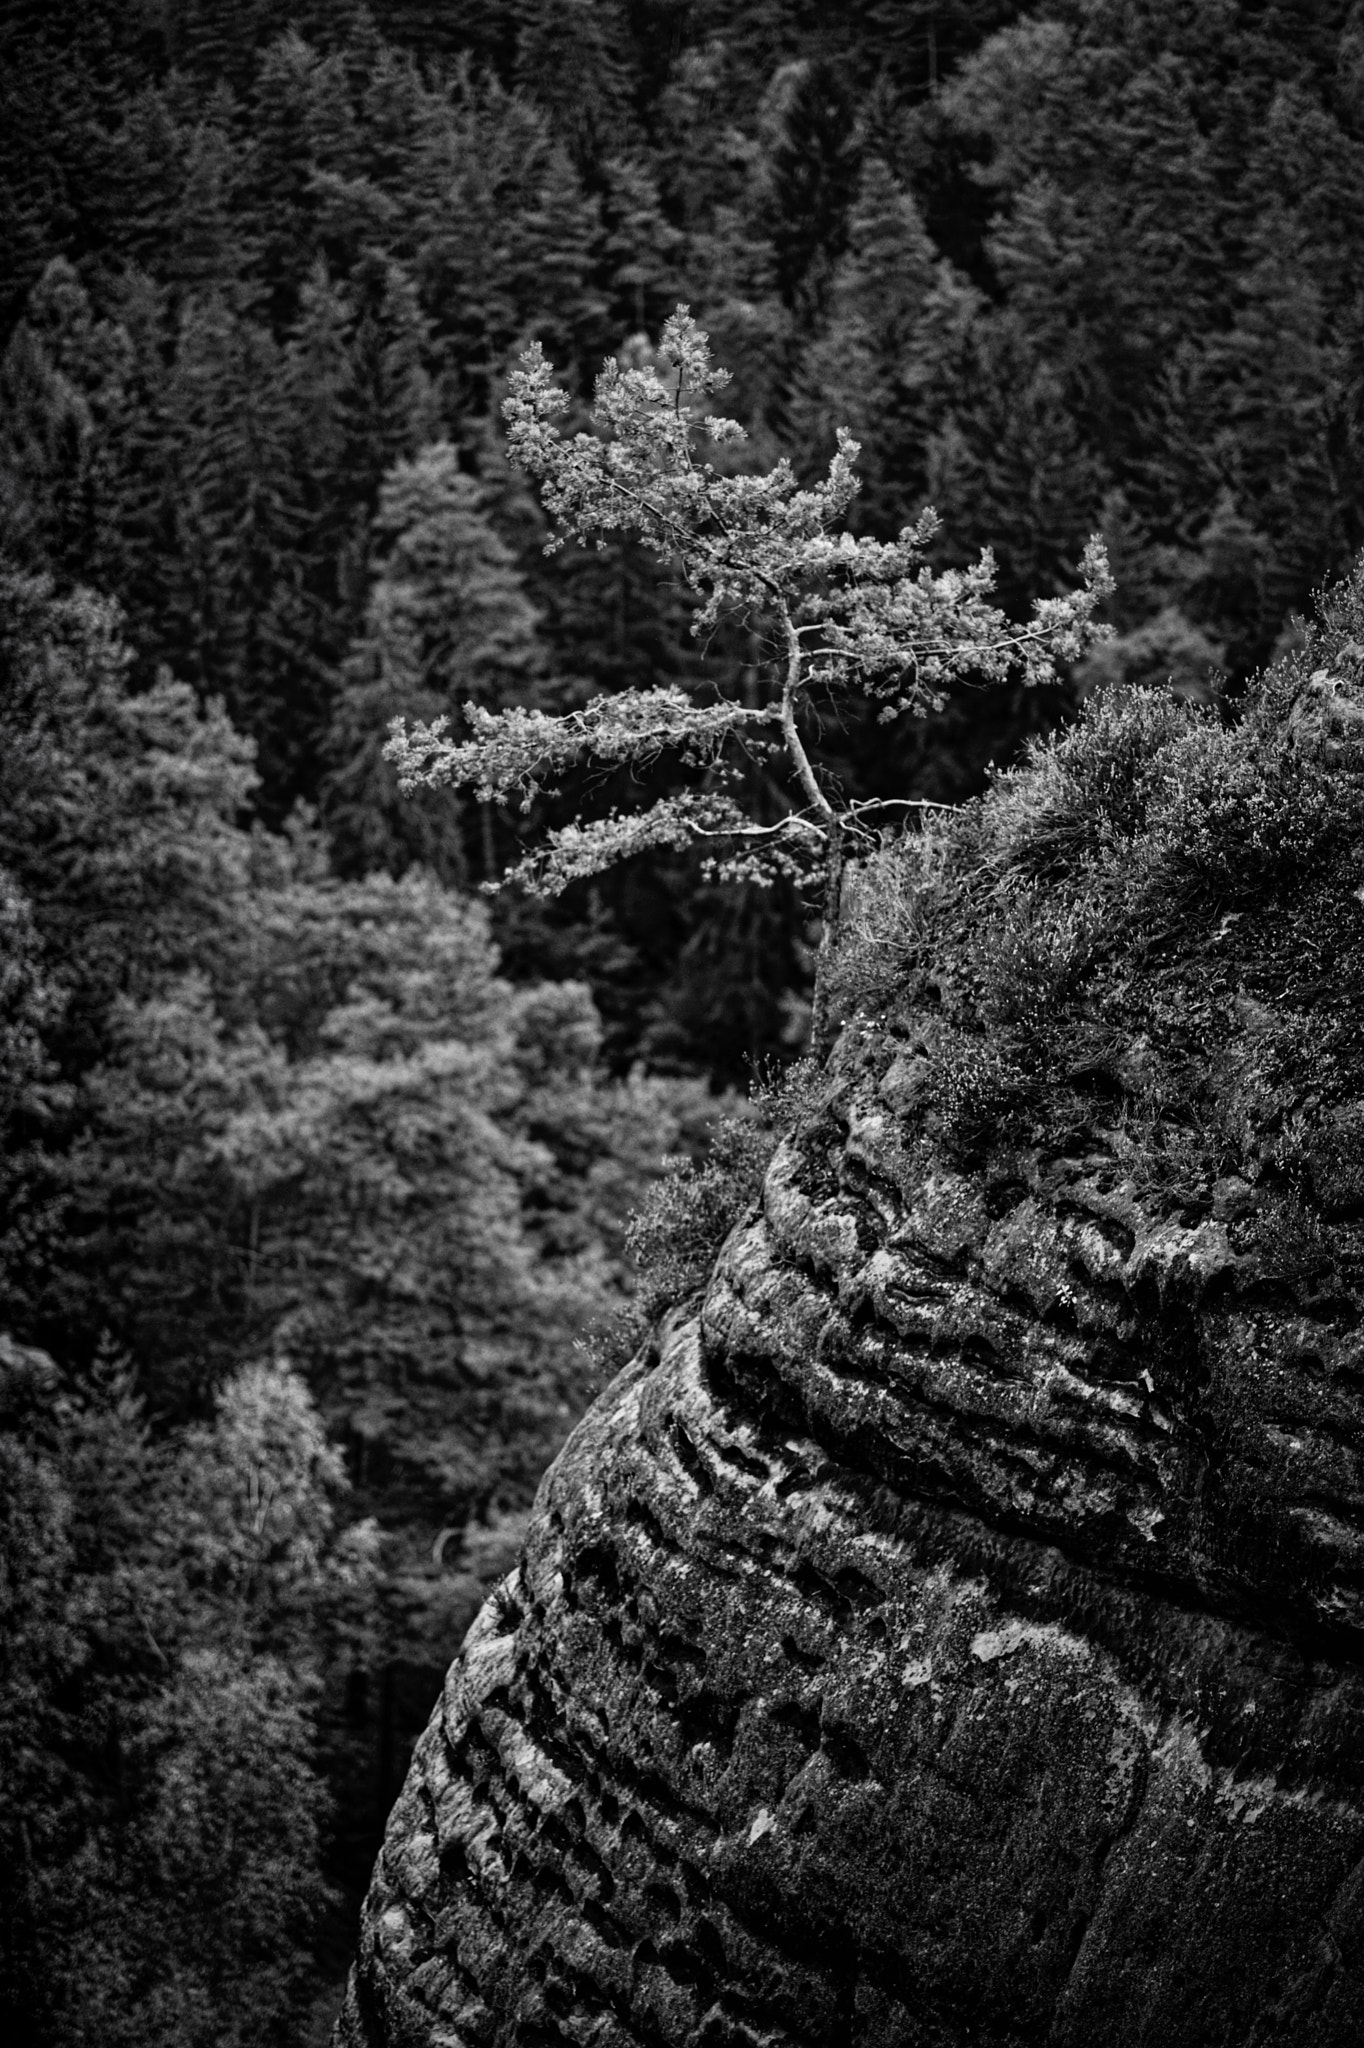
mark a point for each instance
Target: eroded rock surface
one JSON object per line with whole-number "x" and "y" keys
{"x": 889, "y": 1665}
{"x": 955, "y": 1635}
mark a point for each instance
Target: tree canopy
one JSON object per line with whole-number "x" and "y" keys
{"x": 256, "y": 274}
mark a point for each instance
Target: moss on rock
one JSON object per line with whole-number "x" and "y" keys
{"x": 955, "y": 1633}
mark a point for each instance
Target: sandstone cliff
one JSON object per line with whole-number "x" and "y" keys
{"x": 952, "y": 1631}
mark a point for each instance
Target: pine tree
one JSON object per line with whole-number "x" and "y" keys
{"x": 838, "y": 617}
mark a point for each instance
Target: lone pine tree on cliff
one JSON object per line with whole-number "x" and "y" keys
{"x": 838, "y": 617}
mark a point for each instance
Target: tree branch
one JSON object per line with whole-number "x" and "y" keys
{"x": 796, "y": 822}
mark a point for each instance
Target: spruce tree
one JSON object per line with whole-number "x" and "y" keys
{"x": 571, "y": 61}
{"x": 447, "y": 601}
{"x": 861, "y": 369}
{"x": 641, "y": 246}
{"x": 813, "y": 176}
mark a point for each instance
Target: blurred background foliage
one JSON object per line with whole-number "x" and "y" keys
{"x": 315, "y": 1169}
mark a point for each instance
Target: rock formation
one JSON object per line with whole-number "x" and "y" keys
{"x": 952, "y": 1631}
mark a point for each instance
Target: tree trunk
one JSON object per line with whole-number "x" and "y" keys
{"x": 821, "y": 1023}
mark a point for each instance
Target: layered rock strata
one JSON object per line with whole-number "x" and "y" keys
{"x": 954, "y": 1633}
{"x": 915, "y": 1652}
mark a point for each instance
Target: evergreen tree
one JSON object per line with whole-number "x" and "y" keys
{"x": 391, "y": 406}
{"x": 446, "y": 603}
{"x": 1009, "y": 459}
{"x": 63, "y": 383}
{"x": 702, "y": 160}
{"x": 169, "y": 1608}
{"x": 205, "y": 247}
{"x": 1273, "y": 450}
{"x": 302, "y": 126}
{"x": 256, "y": 1112}
{"x": 237, "y": 620}
{"x": 118, "y": 811}
{"x": 117, "y": 825}
{"x": 335, "y": 484}
{"x": 843, "y": 617}
{"x": 66, "y": 71}
{"x": 640, "y": 245}
{"x": 146, "y": 171}
{"x": 1165, "y": 225}
{"x": 858, "y": 371}
{"x": 812, "y": 175}
{"x": 920, "y": 42}
{"x": 215, "y": 40}
{"x": 571, "y": 60}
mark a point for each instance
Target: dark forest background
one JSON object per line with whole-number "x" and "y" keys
{"x": 316, "y": 1166}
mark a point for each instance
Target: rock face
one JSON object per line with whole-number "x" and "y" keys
{"x": 954, "y": 1633}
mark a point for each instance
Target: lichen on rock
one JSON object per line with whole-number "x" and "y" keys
{"x": 954, "y": 1632}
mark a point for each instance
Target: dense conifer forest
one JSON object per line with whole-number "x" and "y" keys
{"x": 318, "y": 1164}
